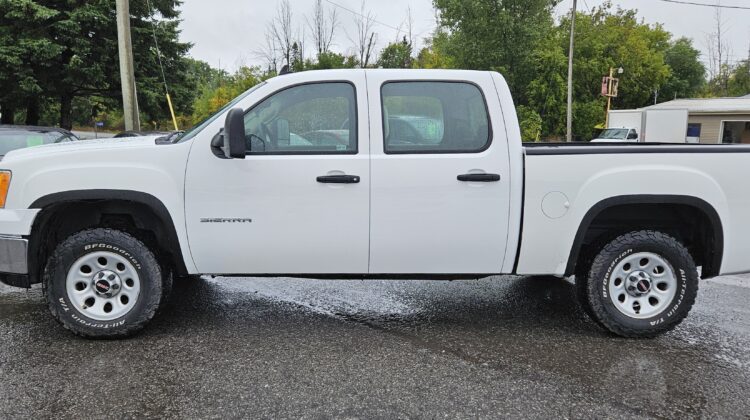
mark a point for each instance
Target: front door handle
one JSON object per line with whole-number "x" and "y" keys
{"x": 479, "y": 178}
{"x": 339, "y": 179}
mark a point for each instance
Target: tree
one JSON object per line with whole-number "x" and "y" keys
{"x": 396, "y": 55}
{"x": 688, "y": 74}
{"x": 67, "y": 50}
{"x": 281, "y": 30}
{"x": 605, "y": 39}
{"x": 323, "y": 27}
{"x": 331, "y": 60}
{"x": 531, "y": 124}
{"x": 718, "y": 55}
{"x": 434, "y": 54}
{"x": 298, "y": 62}
{"x": 496, "y": 35}
{"x": 211, "y": 100}
{"x": 269, "y": 52}
{"x": 365, "y": 38}
{"x": 739, "y": 80}
{"x": 25, "y": 57}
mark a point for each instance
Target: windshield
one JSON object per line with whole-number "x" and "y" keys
{"x": 205, "y": 123}
{"x": 614, "y": 134}
{"x": 20, "y": 139}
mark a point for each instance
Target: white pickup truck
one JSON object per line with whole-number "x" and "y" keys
{"x": 363, "y": 174}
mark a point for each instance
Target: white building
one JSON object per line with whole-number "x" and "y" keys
{"x": 715, "y": 120}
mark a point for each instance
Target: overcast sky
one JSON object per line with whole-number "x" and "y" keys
{"x": 227, "y": 33}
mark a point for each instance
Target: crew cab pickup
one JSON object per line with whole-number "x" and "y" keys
{"x": 364, "y": 174}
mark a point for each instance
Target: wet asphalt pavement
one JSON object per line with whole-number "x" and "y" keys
{"x": 280, "y": 348}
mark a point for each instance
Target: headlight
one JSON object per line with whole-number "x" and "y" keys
{"x": 4, "y": 185}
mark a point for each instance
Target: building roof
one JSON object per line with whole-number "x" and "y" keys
{"x": 739, "y": 105}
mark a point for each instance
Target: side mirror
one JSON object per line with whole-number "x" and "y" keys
{"x": 633, "y": 136}
{"x": 233, "y": 138}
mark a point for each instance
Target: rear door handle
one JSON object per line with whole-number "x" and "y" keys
{"x": 339, "y": 179}
{"x": 479, "y": 178}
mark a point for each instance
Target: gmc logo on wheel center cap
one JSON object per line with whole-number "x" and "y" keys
{"x": 102, "y": 286}
{"x": 643, "y": 286}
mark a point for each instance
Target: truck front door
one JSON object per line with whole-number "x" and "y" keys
{"x": 440, "y": 175}
{"x": 299, "y": 202}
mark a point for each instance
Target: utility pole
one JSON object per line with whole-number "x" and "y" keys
{"x": 611, "y": 91}
{"x": 570, "y": 70}
{"x": 127, "y": 72}
{"x": 609, "y": 96}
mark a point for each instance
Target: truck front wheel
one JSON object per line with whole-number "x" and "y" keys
{"x": 103, "y": 283}
{"x": 641, "y": 284}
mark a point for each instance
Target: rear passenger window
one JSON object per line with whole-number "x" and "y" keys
{"x": 434, "y": 117}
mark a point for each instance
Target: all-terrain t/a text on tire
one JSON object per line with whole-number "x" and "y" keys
{"x": 103, "y": 283}
{"x": 641, "y": 284}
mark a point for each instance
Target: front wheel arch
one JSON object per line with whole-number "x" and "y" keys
{"x": 103, "y": 208}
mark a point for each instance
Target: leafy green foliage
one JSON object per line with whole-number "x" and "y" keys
{"x": 688, "y": 74}
{"x": 331, "y": 60}
{"x": 397, "y": 55}
{"x": 531, "y": 124}
{"x": 434, "y": 54}
{"x": 521, "y": 40}
{"x": 739, "y": 79}
{"x": 212, "y": 99}
{"x": 496, "y": 35}
{"x": 63, "y": 50}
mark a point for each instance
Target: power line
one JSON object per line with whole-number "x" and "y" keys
{"x": 158, "y": 51}
{"x": 693, "y": 3}
{"x": 363, "y": 16}
{"x": 161, "y": 66}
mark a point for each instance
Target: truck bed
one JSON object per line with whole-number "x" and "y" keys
{"x": 586, "y": 148}
{"x": 564, "y": 186}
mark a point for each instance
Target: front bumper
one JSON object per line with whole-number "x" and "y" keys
{"x": 15, "y": 228}
{"x": 14, "y": 255}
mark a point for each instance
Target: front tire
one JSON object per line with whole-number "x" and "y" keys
{"x": 641, "y": 284}
{"x": 103, "y": 283}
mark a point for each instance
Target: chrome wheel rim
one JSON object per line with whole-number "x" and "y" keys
{"x": 103, "y": 286}
{"x": 642, "y": 285}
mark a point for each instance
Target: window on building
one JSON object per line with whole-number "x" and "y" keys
{"x": 736, "y": 132}
{"x": 694, "y": 130}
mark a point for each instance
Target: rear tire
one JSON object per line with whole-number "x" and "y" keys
{"x": 641, "y": 284}
{"x": 103, "y": 283}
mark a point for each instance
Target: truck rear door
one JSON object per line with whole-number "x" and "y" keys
{"x": 440, "y": 187}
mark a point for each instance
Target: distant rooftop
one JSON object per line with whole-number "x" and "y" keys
{"x": 740, "y": 105}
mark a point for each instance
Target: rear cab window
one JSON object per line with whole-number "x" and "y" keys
{"x": 434, "y": 117}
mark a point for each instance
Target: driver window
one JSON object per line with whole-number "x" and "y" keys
{"x": 307, "y": 119}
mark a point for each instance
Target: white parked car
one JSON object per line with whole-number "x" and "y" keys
{"x": 617, "y": 135}
{"x": 305, "y": 176}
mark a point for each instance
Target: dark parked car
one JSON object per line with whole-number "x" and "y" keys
{"x": 14, "y": 137}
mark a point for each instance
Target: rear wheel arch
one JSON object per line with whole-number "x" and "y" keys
{"x": 128, "y": 210}
{"x": 704, "y": 237}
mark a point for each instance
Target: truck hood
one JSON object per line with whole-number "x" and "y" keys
{"x": 82, "y": 145}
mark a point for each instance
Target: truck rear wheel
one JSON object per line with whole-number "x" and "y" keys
{"x": 103, "y": 283}
{"x": 641, "y": 284}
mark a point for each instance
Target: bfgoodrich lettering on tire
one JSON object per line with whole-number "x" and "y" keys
{"x": 641, "y": 284}
{"x": 103, "y": 283}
